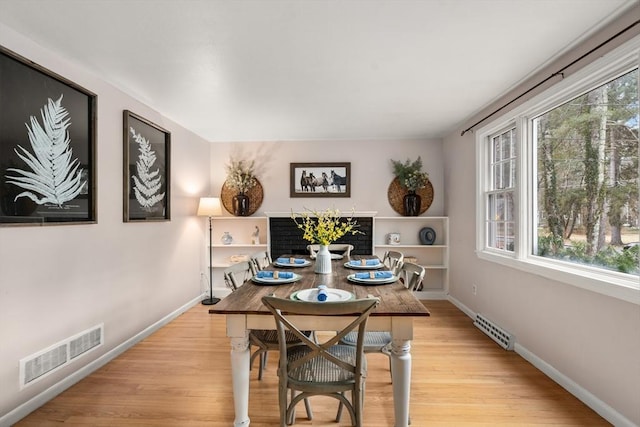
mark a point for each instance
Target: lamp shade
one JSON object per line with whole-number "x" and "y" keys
{"x": 209, "y": 206}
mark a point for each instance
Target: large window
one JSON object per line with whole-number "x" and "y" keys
{"x": 558, "y": 181}
{"x": 587, "y": 178}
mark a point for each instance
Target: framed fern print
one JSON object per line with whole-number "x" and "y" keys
{"x": 47, "y": 146}
{"x": 147, "y": 149}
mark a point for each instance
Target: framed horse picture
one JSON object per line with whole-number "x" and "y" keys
{"x": 329, "y": 179}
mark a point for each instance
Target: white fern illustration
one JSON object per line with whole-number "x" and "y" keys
{"x": 54, "y": 177}
{"x": 147, "y": 183}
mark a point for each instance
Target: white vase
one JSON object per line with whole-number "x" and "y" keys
{"x": 323, "y": 260}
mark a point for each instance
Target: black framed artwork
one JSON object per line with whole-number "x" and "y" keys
{"x": 329, "y": 179}
{"x": 47, "y": 146}
{"x": 147, "y": 155}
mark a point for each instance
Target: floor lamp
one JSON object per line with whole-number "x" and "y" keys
{"x": 210, "y": 206}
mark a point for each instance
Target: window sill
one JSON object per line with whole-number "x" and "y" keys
{"x": 612, "y": 284}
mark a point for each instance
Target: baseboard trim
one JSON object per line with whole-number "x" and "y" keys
{"x": 37, "y": 401}
{"x": 431, "y": 295}
{"x": 604, "y": 410}
{"x": 600, "y": 407}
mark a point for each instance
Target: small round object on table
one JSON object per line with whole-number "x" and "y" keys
{"x": 427, "y": 236}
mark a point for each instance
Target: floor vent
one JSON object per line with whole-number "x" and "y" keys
{"x": 499, "y": 335}
{"x": 44, "y": 362}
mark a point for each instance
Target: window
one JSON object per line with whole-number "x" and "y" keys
{"x": 558, "y": 180}
{"x": 587, "y": 178}
{"x": 500, "y": 197}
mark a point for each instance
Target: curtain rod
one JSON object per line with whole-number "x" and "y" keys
{"x": 557, "y": 73}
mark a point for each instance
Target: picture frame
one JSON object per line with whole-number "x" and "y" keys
{"x": 146, "y": 170}
{"x": 47, "y": 146}
{"x": 328, "y": 179}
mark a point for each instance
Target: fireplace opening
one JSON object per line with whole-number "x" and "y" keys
{"x": 286, "y": 238}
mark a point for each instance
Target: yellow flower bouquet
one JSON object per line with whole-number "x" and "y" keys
{"x": 325, "y": 227}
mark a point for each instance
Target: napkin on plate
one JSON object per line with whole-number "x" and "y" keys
{"x": 274, "y": 275}
{"x": 322, "y": 293}
{"x": 374, "y": 275}
{"x": 290, "y": 261}
{"x": 369, "y": 262}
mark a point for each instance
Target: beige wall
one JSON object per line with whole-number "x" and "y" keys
{"x": 589, "y": 342}
{"x": 371, "y": 171}
{"x": 57, "y": 281}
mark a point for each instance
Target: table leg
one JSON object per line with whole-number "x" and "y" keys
{"x": 401, "y": 374}
{"x": 240, "y": 365}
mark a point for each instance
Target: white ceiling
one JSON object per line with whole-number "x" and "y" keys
{"x": 269, "y": 70}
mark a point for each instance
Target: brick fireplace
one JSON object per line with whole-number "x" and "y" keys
{"x": 286, "y": 238}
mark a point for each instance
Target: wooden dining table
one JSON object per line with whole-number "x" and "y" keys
{"x": 398, "y": 307}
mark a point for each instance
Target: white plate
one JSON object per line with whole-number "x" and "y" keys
{"x": 270, "y": 281}
{"x": 306, "y": 263}
{"x": 311, "y": 295}
{"x": 353, "y": 278}
{"x": 363, "y": 267}
{"x": 333, "y": 256}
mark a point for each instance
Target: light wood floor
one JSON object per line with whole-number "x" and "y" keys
{"x": 181, "y": 376}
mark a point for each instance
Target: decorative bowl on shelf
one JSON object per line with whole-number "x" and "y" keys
{"x": 427, "y": 236}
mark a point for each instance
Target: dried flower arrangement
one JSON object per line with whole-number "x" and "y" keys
{"x": 241, "y": 175}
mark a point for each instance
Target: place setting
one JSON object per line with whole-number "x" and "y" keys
{"x": 268, "y": 277}
{"x": 292, "y": 262}
{"x": 373, "y": 277}
{"x": 322, "y": 294}
{"x": 364, "y": 264}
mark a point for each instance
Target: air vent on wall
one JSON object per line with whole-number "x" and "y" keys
{"x": 38, "y": 365}
{"x": 499, "y": 335}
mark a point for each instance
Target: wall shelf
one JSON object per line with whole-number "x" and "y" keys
{"x": 435, "y": 258}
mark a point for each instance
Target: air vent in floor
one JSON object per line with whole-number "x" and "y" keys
{"x": 499, "y": 335}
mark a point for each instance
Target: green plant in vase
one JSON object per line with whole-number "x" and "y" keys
{"x": 412, "y": 178}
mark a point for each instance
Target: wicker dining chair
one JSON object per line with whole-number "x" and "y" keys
{"x": 321, "y": 368}
{"x": 264, "y": 340}
{"x": 411, "y": 275}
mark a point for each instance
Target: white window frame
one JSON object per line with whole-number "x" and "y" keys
{"x": 611, "y": 283}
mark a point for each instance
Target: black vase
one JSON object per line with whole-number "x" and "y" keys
{"x": 412, "y": 202}
{"x": 241, "y": 205}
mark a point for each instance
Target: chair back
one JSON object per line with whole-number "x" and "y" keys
{"x": 285, "y": 310}
{"x": 393, "y": 260}
{"x": 344, "y": 249}
{"x": 412, "y": 275}
{"x": 236, "y": 274}
{"x": 260, "y": 261}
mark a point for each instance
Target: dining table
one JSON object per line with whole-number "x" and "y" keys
{"x": 395, "y": 313}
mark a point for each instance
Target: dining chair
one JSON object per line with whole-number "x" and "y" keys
{"x": 412, "y": 276}
{"x": 343, "y": 249}
{"x": 236, "y": 274}
{"x": 320, "y": 367}
{"x": 393, "y": 260}
{"x": 260, "y": 260}
{"x": 264, "y": 340}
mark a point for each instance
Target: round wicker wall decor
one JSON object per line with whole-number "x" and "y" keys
{"x": 255, "y": 195}
{"x": 396, "y": 193}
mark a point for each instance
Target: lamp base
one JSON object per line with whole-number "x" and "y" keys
{"x": 210, "y": 301}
